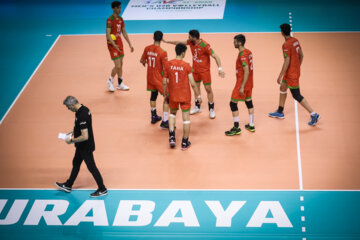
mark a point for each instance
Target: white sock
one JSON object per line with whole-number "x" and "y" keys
{"x": 236, "y": 119}
{"x": 313, "y": 113}
{"x": 251, "y": 119}
{"x": 111, "y": 79}
{"x": 165, "y": 116}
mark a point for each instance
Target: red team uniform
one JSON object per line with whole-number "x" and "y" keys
{"x": 291, "y": 49}
{"x": 156, "y": 57}
{"x": 177, "y": 71}
{"x": 244, "y": 59}
{"x": 201, "y": 61}
{"x": 117, "y": 25}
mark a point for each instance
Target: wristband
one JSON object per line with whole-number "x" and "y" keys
{"x": 220, "y": 69}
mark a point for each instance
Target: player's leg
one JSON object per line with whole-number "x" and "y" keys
{"x": 249, "y": 104}
{"x": 165, "y": 120}
{"x": 165, "y": 123}
{"x": 211, "y": 103}
{"x": 119, "y": 70}
{"x": 235, "y": 130}
{"x": 185, "y": 107}
{"x": 172, "y": 118}
{"x": 197, "y": 108}
{"x": 90, "y": 163}
{"x": 279, "y": 113}
{"x": 77, "y": 160}
{"x": 314, "y": 117}
{"x": 114, "y": 54}
{"x": 154, "y": 117}
{"x": 206, "y": 79}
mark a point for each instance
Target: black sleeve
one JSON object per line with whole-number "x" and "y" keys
{"x": 84, "y": 120}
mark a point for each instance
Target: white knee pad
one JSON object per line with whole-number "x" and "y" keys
{"x": 186, "y": 122}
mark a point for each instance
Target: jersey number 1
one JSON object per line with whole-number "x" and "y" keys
{"x": 177, "y": 77}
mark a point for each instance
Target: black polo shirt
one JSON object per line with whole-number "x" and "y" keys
{"x": 83, "y": 121}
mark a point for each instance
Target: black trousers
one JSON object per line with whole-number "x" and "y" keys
{"x": 88, "y": 157}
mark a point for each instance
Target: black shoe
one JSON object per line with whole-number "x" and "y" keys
{"x": 164, "y": 125}
{"x": 63, "y": 187}
{"x": 250, "y": 128}
{"x": 185, "y": 145}
{"x": 233, "y": 131}
{"x": 172, "y": 142}
{"x": 155, "y": 119}
{"x": 99, "y": 193}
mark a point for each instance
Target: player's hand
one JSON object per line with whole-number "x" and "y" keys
{"x": 279, "y": 79}
{"x": 221, "y": 73}
{"x": 165, "y": 98}
{"x": 68, "y": 140}
{"x": 117, "y": 47}
{"x": 131, "y": 49}
{"x": 241, "y": 91}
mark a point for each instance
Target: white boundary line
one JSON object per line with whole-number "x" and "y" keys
{"x": 200, "y": 190}
{"x": 103, "y": 34}
{"x": 7, "y": 112}
{"x": 298, "y": 146}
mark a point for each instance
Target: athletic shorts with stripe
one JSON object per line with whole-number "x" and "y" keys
{"x": 236, "y": 97}
{"x": 115, "y": 54}
{"x": 205, "y": 77}
{"x": 185, "y": 106}
{"x": 292, "y": 83}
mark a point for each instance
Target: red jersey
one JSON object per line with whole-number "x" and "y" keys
{"x": 291, "y": 49}
{"x": 177, "y": 71}
{"x": 201, "y": 55}
{"x": 156, "y": 57}
{"x": 245, "y": 58}
{"x": 117, "y": 25}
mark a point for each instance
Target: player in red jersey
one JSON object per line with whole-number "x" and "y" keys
{"x": 177, "y": 76}
{"x": 155, "y": 57}
{"x": 290, "y": 74}
{"x": 243, "y": 87}
{"x": 201, "y": 52}
{"x": 114, "y": 27}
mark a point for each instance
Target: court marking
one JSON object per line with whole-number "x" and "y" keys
{"x": 208, "y": 190}
{"x": 103, "y": 34}
{"x": 29, "y": 79}
{"x": 296, "y": 123}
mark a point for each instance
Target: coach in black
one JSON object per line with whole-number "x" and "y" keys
{"x": 83, "y": 138}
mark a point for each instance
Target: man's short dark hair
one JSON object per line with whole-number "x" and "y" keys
{"x": 158, "y": 36}
{"x": 240, "y": 38}
{"x": 115, "y": 4}
{"x": 180, "y": 48}
{"x": 285, "y": 29}
{"x": 194, "y": 33}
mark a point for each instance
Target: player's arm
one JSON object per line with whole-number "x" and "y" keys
{"x": 175, "y": 42}
{"x": 246, "y": 77}
{"x": 218, "y": 63}
{"x": 165, "y": 81}
{"x": 284, "y": 68}
{"x": 83, "y": 137}
{"x": 301, "y": 56}
{"x": 143, "y": 59}
{"x": 195, "y": 87}
{"x": 127, "y": 39}
{"x": 109, "y": 38}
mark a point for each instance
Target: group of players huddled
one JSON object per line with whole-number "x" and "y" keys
{"x": 173, "y": 78}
